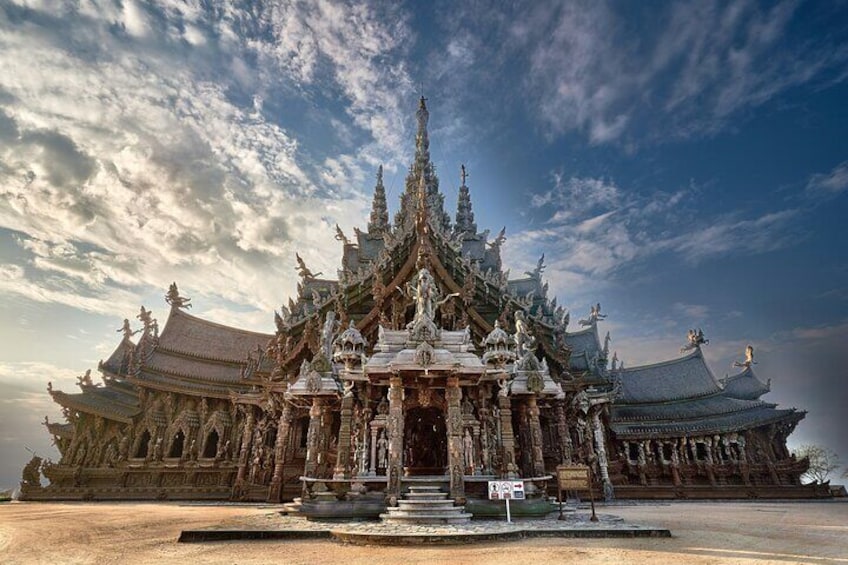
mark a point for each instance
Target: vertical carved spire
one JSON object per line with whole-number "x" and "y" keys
{"x": 422, "y": 139}
{"x": 464, "y": 214}
{"x": 379, "y": 221}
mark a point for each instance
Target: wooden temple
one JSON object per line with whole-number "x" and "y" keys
{"x": 422, "y": 364}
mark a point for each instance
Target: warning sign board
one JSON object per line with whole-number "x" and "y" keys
{"x": 506, "y": 490}
{"x": 503, "y": 490}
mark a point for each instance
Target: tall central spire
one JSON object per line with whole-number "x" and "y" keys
{"x": 422, "y": 139}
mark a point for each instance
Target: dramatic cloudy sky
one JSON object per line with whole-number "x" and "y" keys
{"x": 685, "y": 164}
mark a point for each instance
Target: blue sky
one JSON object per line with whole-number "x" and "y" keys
{"x": 684, "y": 164}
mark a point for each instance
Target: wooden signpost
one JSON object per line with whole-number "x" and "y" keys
{"x": 574, "y": 478}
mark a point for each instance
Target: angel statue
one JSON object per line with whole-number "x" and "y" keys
{"x": 749, "y": 358}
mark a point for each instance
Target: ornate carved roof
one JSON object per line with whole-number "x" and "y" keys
{"x": 195, "y": 337}
{"x": 104, "y": 401}
{"x": 686, "y": 377}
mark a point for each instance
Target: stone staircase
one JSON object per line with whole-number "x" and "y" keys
{"x": 425, "y": 505}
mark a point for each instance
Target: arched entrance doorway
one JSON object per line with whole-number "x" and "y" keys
{"x": 425, "y": 442}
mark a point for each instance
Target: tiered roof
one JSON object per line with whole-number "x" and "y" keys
{"x": 681, "y": 397}
{"x": 745, "y": 385}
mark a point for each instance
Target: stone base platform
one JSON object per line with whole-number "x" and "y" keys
{"x": 375, "y": 533}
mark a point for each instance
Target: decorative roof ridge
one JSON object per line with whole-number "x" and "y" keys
{"x": 581, "y": 331}
{"x": 687, "y": 357}
{"x": 202, "y": 321}
{"x": 747, "y": 371}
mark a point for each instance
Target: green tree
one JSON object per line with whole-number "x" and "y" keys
{"x": 823, "y": 461}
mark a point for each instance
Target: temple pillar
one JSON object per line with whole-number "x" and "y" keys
{"x": 342, "y": 470}
{"x": 283, "y": 430}
{"x": 395, "y": 438}
{"x": 372, "y": 463}
{"x": 456, "y": 456}
{"x": 246, "y": 436}
{"x": 565, "y": 446}
{"x": 509, "y": 470}
{"x": 536, "y": 453}
{"x": 601, "y": 452}
{"x": 313, "y": 439}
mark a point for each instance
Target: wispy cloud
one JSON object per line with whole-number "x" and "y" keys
{"x": 136, "y": 147}
{"x": 593, "y": 229}
{"x": 691, "y": 68}
{"x": 831, "y": 183}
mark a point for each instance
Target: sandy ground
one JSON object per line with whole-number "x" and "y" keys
{"x": 104, "y": 533}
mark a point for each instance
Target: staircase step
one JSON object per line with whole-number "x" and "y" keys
{"x": 422, "y": 504}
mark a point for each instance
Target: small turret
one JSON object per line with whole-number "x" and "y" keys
{"x": 464, "y": 213}
{"x": 379, "y": 221}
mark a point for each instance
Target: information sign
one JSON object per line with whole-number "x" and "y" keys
{"x": 573, "y": 477}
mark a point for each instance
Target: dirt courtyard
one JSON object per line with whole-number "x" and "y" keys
{"x": 735, "y": 532}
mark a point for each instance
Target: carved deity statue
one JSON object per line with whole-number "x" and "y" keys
{"x": 382, "y": 450}
{"x": 524, "y": 342}
{"x": 468, "y": 449}
{"x": 328, "y": 332}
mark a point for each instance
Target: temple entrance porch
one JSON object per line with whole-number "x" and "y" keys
{"x": 425, "y": 442}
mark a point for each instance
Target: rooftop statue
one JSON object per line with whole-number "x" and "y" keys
{"x": 174, "y": 299}
{"x": 594, "y": 316}
{"x": 340, "y": 236}
{"x": 749, "y": 358}
{"x": 695, "y": 340}
{"x": 303, "y": 270}
{"x": 127, "y": 330}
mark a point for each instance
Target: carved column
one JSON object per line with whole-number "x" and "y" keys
{"x": 509, "y": 470}
{"x": 372, "y": 463}
{"x": 283, "y": 430}
{"x": 456, "y": 456}
{"x": 564, "y": 433}
{"x": 246, "y": 436}
{"x": 342, "y": 470}
{"x": 536, "y": 453}
{"x": 598, "y": 430}
{"x": 395, "y": 433}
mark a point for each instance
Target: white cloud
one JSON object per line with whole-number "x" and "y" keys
{"x": 829, "y": 184}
